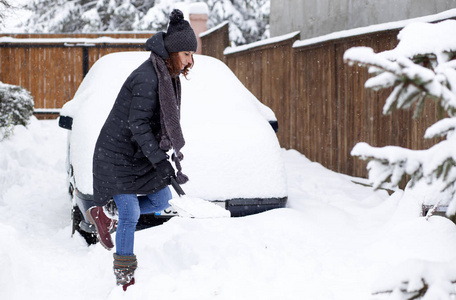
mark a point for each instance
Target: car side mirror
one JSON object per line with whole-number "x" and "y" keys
{"x": 66, "y": 122}
{"x": 274, "y": 125}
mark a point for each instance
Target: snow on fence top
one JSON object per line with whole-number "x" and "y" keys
{"x": 337, "y": 35}
{"x": 374, "y": 28}
{"x": 47, "y": 110}
{"x": 207, "y": 32}
{"x": 424, "y": 38}
{"x": 70, "y": 41}
{"x": 273, "y": 40}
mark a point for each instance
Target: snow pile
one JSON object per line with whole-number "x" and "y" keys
{"x": 334, "y": 241}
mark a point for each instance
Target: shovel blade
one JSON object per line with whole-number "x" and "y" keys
{"x": 190, "y": 207}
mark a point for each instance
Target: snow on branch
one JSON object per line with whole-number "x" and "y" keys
{"x": 411, "y": 80}
{"x": 444, "y": 127}
{"x": 391, "y": 164}
{"x": 417, "y": 279}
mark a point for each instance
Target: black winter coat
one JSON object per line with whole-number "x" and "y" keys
{"x": 127, "y": 157}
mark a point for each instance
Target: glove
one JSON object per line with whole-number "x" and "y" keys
{"x": 164, "y": 170}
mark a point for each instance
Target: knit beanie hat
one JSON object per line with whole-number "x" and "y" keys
{"x": 180, "y": 36}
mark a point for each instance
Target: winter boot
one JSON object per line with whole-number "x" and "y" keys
{"x": 102, "y": 224}
{"x": 124, "y": 269}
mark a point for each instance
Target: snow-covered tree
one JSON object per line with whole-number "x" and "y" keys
{"x": 16, "y": 108}
{"x": 3, "y": 6}
{"x": 249, "y": 19}
{"x": 422, "y": 67}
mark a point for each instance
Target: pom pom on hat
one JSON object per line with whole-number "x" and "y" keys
{"x": 180, "y": 35}
{"x": 176, "y": 16}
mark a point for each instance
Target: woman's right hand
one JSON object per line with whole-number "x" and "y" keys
{"x": 164, "y": 169}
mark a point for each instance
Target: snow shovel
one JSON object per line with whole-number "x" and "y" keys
{"x": 190, "y": 207}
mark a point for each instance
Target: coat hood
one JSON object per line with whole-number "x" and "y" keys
{"x": 157, "y": 44}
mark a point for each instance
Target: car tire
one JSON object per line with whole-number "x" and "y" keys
{"x": 76, "y": 218}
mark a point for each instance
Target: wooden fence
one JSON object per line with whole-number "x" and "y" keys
{"x": 51, "y": 66}
{"x": 320, "y": 102}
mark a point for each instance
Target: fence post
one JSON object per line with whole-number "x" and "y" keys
{"x": 85, "y": 60}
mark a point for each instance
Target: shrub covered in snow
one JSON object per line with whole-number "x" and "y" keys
{"x": 16, "y": 108}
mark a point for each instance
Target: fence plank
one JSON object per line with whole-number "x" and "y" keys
{"x": 216, "y": 42}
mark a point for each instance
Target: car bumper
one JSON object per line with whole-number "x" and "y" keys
{"x": 245, "y": 207}
{"x": 237, "y": 207}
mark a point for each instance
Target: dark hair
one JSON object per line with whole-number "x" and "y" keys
{"x": 174, "y": 65}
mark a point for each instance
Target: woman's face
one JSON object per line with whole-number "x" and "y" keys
{"x": 185, "y": 57}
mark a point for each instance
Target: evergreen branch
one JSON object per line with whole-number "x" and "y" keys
{"x": 431, "y": 212}
{"x": 442, "y": 128}
{"x": 365, "y": 56}
{"x": 404, "y": 74}
{"x": 391, "y": 164}
{"x": 413, "y": 294}
{"x": 416, "y": 294}
{"x": 419, "y": 105}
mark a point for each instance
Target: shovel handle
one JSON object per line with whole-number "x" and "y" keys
{"x": 177, "y": 187}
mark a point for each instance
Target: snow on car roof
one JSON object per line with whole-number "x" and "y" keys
{"x": 231, "y": 150}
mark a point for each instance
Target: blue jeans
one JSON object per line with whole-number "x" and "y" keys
{"x": 130, "y": 207}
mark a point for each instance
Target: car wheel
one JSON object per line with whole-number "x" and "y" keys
{"x": 76, "y": 218}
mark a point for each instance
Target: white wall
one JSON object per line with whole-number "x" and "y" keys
{"x": 318, "y": 17}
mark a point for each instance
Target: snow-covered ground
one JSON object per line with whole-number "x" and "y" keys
{"x": 334, "y": 241}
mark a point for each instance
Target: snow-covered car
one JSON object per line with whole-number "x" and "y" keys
{"x": 232, "y": 155}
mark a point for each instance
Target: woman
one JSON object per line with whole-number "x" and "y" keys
{"x": 130, "y": 162}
